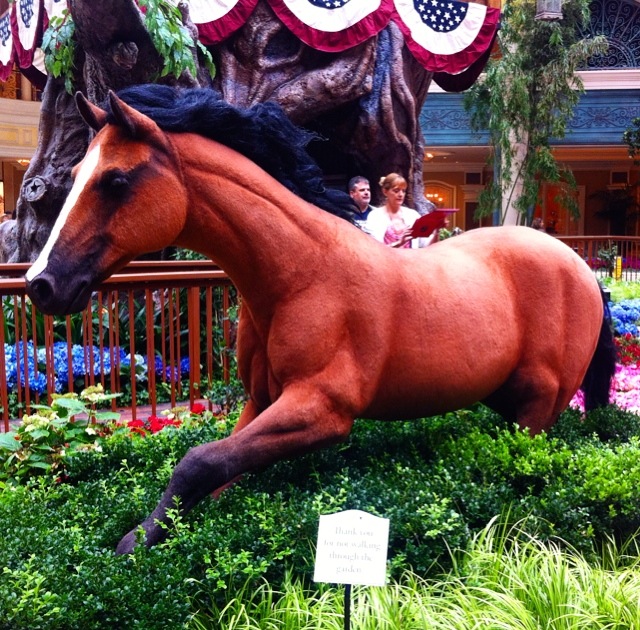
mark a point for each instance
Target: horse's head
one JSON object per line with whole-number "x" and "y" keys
{"x": 127, "y": 199}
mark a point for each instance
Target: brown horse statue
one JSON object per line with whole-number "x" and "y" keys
{"x": 334, "y": 325}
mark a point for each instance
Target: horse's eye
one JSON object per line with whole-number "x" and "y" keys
{"x": 115, "y": 181}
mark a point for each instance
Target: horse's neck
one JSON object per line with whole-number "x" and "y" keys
{"x": 267, "y": 239}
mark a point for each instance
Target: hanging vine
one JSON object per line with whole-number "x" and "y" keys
{"x": 172, "y": 40}
{"x": 527, "y": 98}
{"x": 631, "y": 137}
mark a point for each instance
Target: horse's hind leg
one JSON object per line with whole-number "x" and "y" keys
{"x": 300, "y": 421}
{"x": 532, "y": 398}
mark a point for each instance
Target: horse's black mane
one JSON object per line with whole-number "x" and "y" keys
{"x": 262, "y": 132}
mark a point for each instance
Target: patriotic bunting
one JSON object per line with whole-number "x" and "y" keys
{"x": 333, "y": 25}
{"x": 218, "y": 19}
{"x": 7, "y": 53}
{"x": 465, "y": 79}
{"x": 26, "y": 24}
{"x": 447, "y": 37}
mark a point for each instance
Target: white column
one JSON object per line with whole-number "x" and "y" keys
{"x": 25, "y": 88}
{"x": 510, "y": 194}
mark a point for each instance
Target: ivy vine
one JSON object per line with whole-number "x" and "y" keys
{"x": 163, "y": 21}
{"x": 58, "y": 44}
{"x": 172, "y": 40}
{"x": 631, "y": 137}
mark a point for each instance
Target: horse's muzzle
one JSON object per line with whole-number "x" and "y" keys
{"x": 55, "y": 297}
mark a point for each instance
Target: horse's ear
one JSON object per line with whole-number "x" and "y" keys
{"x": 95, "y": 117}
{"x": 124, "y": 115}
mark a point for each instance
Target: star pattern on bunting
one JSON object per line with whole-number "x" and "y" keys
{"x": 441, "y": 16}
{"x": 328, "y": 4}
{"x": 5, "y": 30}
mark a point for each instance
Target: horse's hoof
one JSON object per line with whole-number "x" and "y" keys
{"x": 127, "y": 544}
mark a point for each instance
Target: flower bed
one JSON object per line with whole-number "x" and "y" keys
{"x": 71, "y": 424}
{"x": 625, "y": 316}
{"x": 82, "y": 358}
{"x": 625, "y": 388}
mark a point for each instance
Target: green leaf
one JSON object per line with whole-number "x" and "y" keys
{"x": 39, "y": 433}
{"x": 103, "y": 416}
{"x": 74, "y": 405}
{"x": 38, "y": 464}
{"x": 8, "y": 441}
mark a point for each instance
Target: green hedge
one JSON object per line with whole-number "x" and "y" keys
{"x": 438, "y": 480}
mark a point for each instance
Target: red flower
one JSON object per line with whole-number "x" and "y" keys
{"x": 157, "y": 423}
{"x": 152, "y": 424}
{"x": 628, "y": 348}
{"x": 198, "y": 408}
{"x": 137, "y": 426}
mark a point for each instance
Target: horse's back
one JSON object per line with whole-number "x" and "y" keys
{"x": 532, "y": 264}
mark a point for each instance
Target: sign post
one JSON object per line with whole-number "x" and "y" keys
{"x": 352, "y": 549}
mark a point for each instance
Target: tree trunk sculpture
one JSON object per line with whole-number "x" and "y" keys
{"x": 365, "y": 103}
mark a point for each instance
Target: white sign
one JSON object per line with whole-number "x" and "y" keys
{"x": 352, "y": 549}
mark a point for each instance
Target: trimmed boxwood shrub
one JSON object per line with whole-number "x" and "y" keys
{"x": 438, "y": 480}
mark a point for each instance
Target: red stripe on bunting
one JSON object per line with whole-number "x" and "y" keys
{"x": 26, "y": 25}
{"x": 465, "y": 79}
{"x": 450, "y": 52}
{"x": 216, "y": 21}
{"x": 333, "y": 29}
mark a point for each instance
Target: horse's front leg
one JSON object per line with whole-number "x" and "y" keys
{"x": 249, "y": 413}
{"x": 301, "y": 420}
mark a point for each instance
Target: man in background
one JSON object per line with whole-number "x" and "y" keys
{"x": 360, "y": 192}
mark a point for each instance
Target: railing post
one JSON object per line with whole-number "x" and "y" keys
{"x": 132, "y": 357}
{"x": 193, "y": 319}
{"x": 151, "y": 350}
{"x": 4, "y": 392}
{"x": 226, "y": 333}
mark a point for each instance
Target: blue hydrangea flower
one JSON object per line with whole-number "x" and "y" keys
{"x": 626, "y": 316}
{"x": 81, "y": 358}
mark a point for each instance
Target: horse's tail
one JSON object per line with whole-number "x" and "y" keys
{"x": 597, "y": 380}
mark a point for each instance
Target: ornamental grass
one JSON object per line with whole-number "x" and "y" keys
{"x": 506, "y": 579}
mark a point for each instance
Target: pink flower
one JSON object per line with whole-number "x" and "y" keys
{"x": 625, "y": 389}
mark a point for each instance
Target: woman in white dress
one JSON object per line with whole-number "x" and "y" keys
{"x": 391, "y": 223}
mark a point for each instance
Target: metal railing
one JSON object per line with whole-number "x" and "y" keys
{"x": 169, "y": 311}
{"x": 615, "y": 256}
{"x": 183, "y": 310}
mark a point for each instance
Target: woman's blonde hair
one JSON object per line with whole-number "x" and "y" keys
{"x": 392, "y": 179}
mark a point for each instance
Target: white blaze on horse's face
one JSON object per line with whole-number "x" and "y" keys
{"x": 88, "y": 166}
